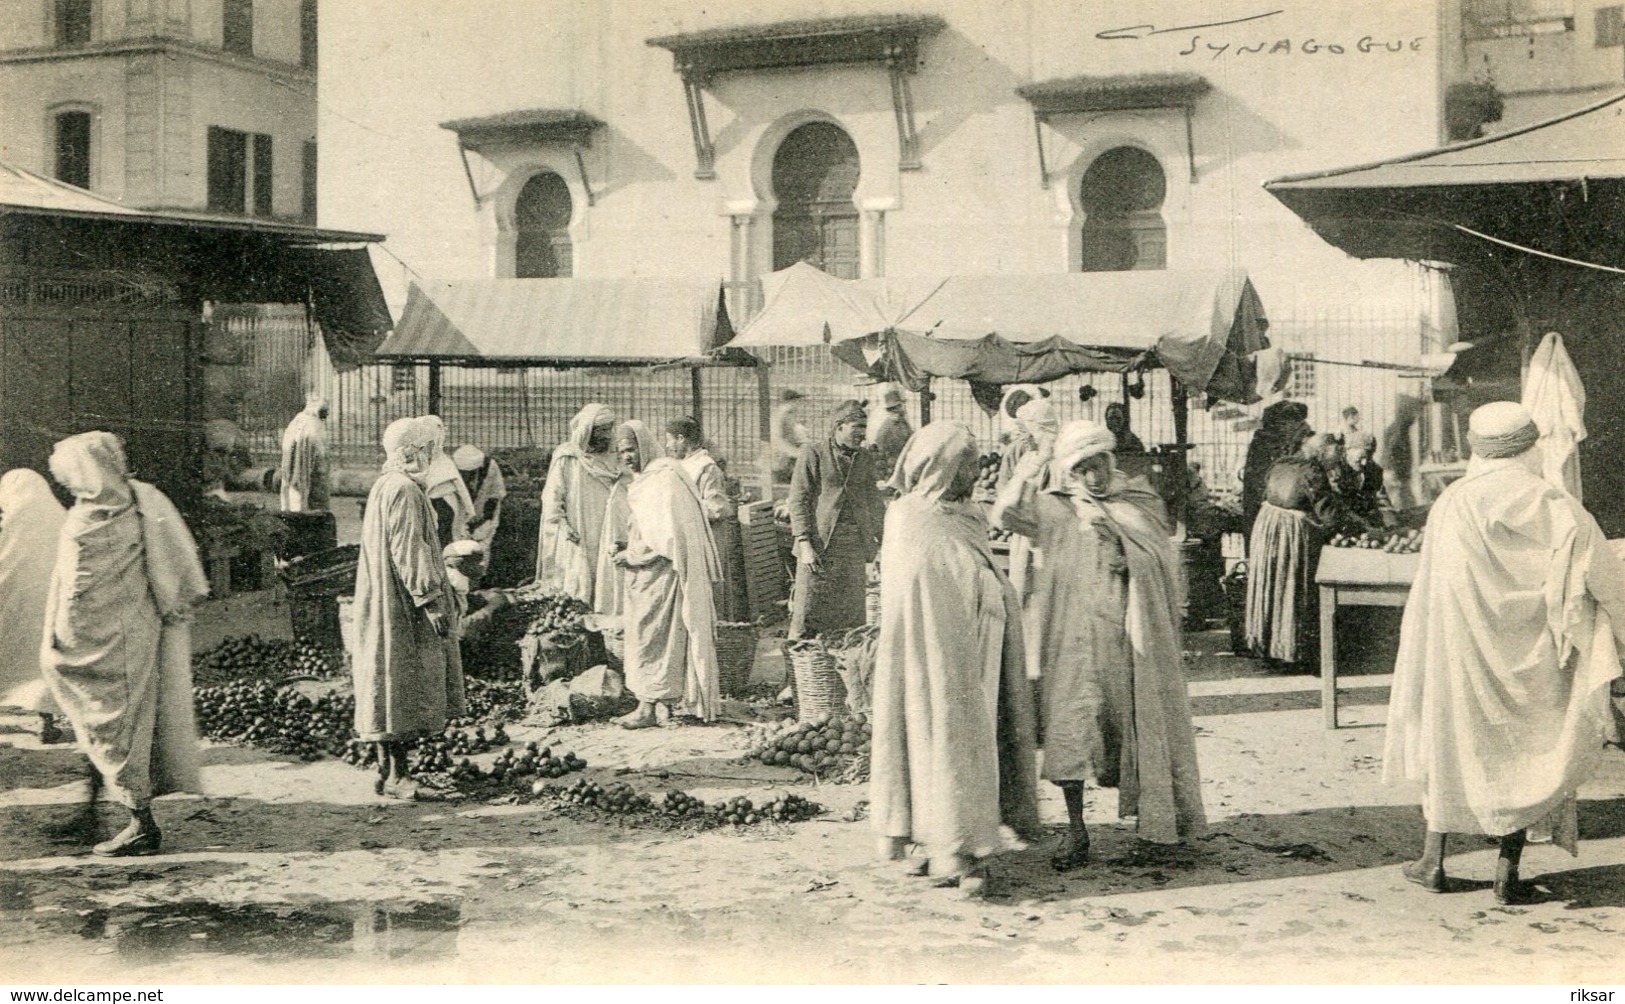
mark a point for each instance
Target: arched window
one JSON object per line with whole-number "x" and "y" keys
{"x": 73, "y": 148}
{"x": 541, "y": 221}
{"x": 815, "y": 172}
{"x": 1122, "y": 197}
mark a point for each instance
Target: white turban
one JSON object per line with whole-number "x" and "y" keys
{"x": 1501, "y": 429}
{"x": 1037, "y": 417}
{"x": 1078, "y": 441}
{"x": 405, "y": 434}
{"x": 468, "y": 458}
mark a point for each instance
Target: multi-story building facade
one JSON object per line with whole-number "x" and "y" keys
{"x": 1542, "y": 57}
{"x": 616, "y": 138}
{"x": 201, "y": 105}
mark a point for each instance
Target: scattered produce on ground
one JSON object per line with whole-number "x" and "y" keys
{"x": 828, "y": 746}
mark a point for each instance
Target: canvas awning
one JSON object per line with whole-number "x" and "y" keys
{"x": 559, "y": 322}
{"x": 1000, "y": 329}
{"x": 1556, "y": 186}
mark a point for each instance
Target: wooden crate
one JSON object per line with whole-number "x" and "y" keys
{"x": 766, "y": 579}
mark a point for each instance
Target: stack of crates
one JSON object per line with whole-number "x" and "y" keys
{"x": 766, "y": 580}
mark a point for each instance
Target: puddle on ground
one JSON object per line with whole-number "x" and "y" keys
{"x": 324, "y": 930}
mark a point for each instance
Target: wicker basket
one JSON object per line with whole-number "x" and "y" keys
{"x": 736, "y": 657}
{"x": 818, "y": 680}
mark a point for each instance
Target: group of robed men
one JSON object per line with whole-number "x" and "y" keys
{"x": 1505, "y": 687}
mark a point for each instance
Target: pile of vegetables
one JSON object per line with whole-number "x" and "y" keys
{"x": 258, "y": 713}
{"x": 534, "y": 762}
{"x": 620, "y": 798}
{"x": 250, "y": 657}
{"x": 1397, "y": 542}
{"x": 555, "y": 619}
{"x": 829, "y": 746}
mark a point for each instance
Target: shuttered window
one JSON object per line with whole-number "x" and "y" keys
{"x": 73, "y": 148}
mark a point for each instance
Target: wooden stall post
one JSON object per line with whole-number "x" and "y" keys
{"x": 696, "y": 395}
{"x": 925, "y": 404}
{"x": 434, "y": 388}
{"x": 1177, "y": 472}
{"x": 764, "y": 429}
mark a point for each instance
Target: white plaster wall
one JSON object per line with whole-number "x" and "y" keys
{"x": 391, "y": 71}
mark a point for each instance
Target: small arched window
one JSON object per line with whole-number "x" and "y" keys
{"x": 72, "y": 141}
{"x": 541, "y": 221}
{"x": 1122, "y": 195}
{"x": 815, "y": 173}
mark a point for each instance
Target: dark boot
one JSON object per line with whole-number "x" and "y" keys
{"x": 1428, "y": 870}
{"x": 85, "y": 826}
{"x": 138, "y": 839}
{"x": 1509, "y": 889}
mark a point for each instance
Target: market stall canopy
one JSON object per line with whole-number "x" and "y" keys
{"x": 1556, "y": 186}
{"x": 239, "y": 259}
{"x": 559, "y": 321}
{"x": 1001, "y": 329}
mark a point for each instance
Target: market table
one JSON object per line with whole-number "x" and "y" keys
{"x": 1355, "y": 577}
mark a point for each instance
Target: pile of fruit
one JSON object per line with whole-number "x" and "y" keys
{"x": 997, "y": 535}
{"x": 557, "y": 618}
{"x": 257, "y": 713}
{"x": 987, "y": 480}
{"x": 250, "y": 657}
{"x": 534, "y": 762}
{"x": 439, "y": 753}
{"x": 1397, "y": 542}
{"x": 620, "y": 798}
{"x": 491, "y": 702}
{"x": 824, "y": 747}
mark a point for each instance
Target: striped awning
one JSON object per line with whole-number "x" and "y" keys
{"x": 559, "y": 321}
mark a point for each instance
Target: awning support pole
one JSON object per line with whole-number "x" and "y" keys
{"x": 925, "y": 404}
{"x": 434, "y": 388}
{"x": 696, "y": 395}
{"x": 1190, "y": 143}
{"x": 902, "y": 103}
{"x": 1038, "y": 134}
{"x": 764, "y": 429}
{"x": 704, "y": 152}
{"x": 581, "y": 167}
{"x": 468, "y": 173}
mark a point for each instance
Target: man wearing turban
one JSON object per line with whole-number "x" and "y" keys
{"x": 953, "y": 721}
{"x": 405, "y": 610}
{"x": 1107, "y": 605}
{"x": 1508, "y": 649}
{"x": 304, "y": 470}
{"x": 580, "y": 478}
{"x": 835, "y": 516}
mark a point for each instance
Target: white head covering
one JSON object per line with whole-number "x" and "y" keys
{"x": 91, "y": 465}
{"x": 649, "y": 448}
{"x": 314, "y": 403}
{"x": 1008, "y": 406}
{"x": 1078, "y": 441}
{"x": 437, "y": 431}
{"x": 932, "y": 459}
{"x": 407, "y": 434}
{"x": 1037, "y": 417}
{"x": 1501, "y": 429}
{"x": 468, "y": 457}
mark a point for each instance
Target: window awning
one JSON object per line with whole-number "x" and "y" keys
{"x": 1124, "y": 92}
{"x": 534, "y": 126}
{"x": 1557, "y": 185}
{"x": 997, "y": 329}
{"x": 559, "y": 322}
{"x": 526, "y": 127}
{"x": 889, "y": 40}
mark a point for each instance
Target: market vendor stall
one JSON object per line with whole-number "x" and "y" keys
{"x": 1355, "y": 577}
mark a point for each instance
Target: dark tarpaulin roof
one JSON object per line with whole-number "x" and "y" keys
{"x": 535, "y": 125}
{"x": 997, "y": 329}
{"x": 348, "y": 302}
{"x": 1557, "y": 186}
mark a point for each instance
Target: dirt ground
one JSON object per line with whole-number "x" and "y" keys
{"x": 295, "y": 872}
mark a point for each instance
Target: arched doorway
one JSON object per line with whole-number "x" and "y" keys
{"x": 1122, "y": 195}
{"x": 541, "y": 221}
{"x": 815, "y": 172}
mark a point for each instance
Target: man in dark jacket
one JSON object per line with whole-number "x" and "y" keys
{"x": 835, "y": 516}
